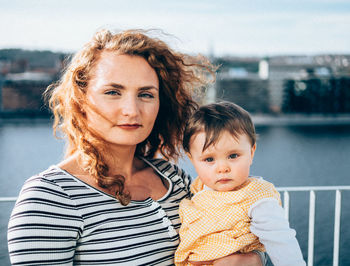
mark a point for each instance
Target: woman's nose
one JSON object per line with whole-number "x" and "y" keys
{"x": 129, "y": 107}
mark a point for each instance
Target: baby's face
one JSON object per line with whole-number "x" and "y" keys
{"x": 225, "y": 165}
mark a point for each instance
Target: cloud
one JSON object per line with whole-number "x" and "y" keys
{"x": 238, "y": 27}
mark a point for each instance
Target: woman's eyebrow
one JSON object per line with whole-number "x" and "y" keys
{"x": 144, "y": 88}
{"x": 115, "y": 85}
{"x": 119, "y": 86}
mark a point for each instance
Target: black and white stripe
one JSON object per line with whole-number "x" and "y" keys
{"x": 60, "y": 220}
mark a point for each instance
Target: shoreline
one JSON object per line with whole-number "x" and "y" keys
{"x": 258, "y": 119}
{"x": 301, "y": 119}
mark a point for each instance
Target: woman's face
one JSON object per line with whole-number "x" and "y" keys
{"x": 123, "y": 98}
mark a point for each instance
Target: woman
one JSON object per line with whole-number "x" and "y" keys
{"x": 122, "y": 100}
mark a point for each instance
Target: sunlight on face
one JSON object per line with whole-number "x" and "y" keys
{"x": 123, "y": 98}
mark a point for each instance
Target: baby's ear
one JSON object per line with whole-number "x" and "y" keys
{"x": 253, "y": 150}
{"x": 189, "y": 155}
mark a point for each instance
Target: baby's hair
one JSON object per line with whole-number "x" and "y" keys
{"x": 213, "y": 119}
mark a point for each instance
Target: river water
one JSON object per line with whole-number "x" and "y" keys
{"x": 286, "y": 156}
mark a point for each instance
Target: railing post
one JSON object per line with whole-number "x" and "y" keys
{"x": 336, "y": 228}
{"x": 310, "y": 253}
{"x": 286, "y": 204}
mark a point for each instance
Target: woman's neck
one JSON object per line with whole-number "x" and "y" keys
{"x": 121, "y": 160}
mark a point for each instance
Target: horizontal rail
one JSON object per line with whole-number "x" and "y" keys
{"x": 8, "y": 199}
{"x": 282, "y": 189}
{"x": 318, "y": 188}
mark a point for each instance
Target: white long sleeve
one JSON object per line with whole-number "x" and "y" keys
{"x": 269, "y": 224}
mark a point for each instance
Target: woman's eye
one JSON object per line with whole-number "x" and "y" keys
{"x": 233, "y": 156}
{"x": 146, "y": 95}
{"x": 112, "y": 92}
{"x": 209, "y": 160}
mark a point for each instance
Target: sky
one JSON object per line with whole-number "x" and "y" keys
{"x": 217, "y": 27}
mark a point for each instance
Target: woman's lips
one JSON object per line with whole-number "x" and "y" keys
{"x": 129, "y": 126}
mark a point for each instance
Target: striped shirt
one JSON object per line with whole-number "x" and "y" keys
{"x": 60, "y": 220}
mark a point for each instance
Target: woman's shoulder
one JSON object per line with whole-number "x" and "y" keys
{"x": 175, "y": 173}
{"x": 50, "y": 183}
{"x": 45, "y": 198}
{"x": 52, "y": 175}
{"x": 165, "y": 167}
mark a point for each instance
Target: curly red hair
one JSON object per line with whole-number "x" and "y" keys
{"x": 179, "y": 75}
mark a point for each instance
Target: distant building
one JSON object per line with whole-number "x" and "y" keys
{"x": 21, "y": 94}
{"x": 243, "y": 81}
{"x": 317, "y": 95}
{"x": 258, "y": 83}
{"x": 24, "y": 76}
{"x": 251, "y": 94}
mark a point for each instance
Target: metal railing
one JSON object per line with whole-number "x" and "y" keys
{"x": 4, "y": 199}
{"x": 312, "y": 201}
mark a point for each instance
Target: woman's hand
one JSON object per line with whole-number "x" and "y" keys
{"x": 236, "y": 259}
{"x": 247, "y": 259}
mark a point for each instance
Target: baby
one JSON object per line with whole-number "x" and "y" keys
{"x": 230, "y": 210}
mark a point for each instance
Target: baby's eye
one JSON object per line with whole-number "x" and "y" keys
{"x": 233, "y": 156}
{"x": 209, "y": 159}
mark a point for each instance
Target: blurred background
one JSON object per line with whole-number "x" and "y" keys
{"x": 287, "y": 62}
